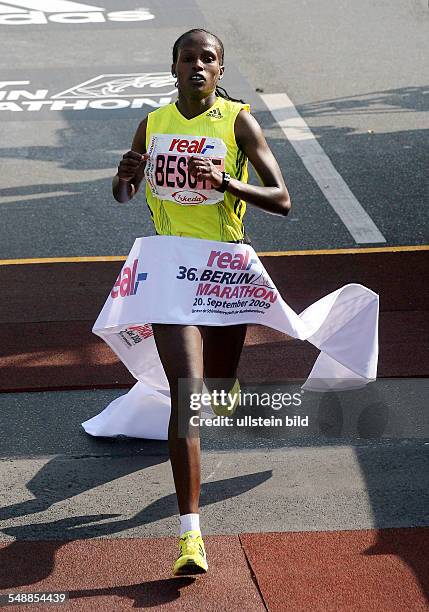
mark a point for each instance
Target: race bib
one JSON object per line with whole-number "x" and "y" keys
{"x": 167, "y": 169}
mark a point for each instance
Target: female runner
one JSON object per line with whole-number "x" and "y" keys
{"x": 190, "y": 352}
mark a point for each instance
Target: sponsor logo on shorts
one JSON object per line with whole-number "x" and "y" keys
{"x": 43, "y": 12}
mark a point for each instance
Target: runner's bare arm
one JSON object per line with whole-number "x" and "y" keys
{"x": 131, "y": 168}
{"x": 272, "y": 196}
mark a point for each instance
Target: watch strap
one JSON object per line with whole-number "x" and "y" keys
{"x": 225, "y": 182}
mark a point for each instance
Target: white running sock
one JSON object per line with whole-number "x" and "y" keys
{"x": 189, "y": 522}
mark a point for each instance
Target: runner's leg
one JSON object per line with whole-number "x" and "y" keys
{"x": 180, "y": 351}
{"x": 222, "y": 348}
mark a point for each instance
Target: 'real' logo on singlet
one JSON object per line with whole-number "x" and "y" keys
{"x": 167, "y": 171}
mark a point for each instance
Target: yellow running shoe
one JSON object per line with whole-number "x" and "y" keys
{"x": 227, "y": 409}
{"x": 192, "y": 557}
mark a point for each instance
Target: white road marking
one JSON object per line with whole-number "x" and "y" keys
{"x": 35, "y": 196}
{"x": 336, "y": 191}
{"x": 52, "y": 6}
{"x": 217, "y": 466}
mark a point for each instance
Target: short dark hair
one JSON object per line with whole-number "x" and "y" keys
{"x": 181, "y": 38}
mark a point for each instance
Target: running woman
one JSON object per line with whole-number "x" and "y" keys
{"x": 203, "y": 112}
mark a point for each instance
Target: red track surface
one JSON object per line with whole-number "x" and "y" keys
{"x": 354, "y": 571}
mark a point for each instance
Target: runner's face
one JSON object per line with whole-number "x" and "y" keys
{"x": 198, "y": 66}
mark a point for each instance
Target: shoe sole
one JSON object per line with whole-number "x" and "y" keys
{"x": 190, "y": 568}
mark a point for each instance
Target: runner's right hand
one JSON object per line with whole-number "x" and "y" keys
{"x": 130, "y": 164}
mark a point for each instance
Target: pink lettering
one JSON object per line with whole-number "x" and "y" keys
{"x": 127, "y": 283}
{"x": 133, "y": 277}
{"x": 224, "y": 260}
{"x": 125, "y": 288}
{"x": 212, "y": 257}
{"x": 215, "y": 290}
{"x": 226, "y": 292}
{"x": 260, "y": 292}
{"x": 203, "y": 288}
{"x": 238, "y": 262}
{"x": 144, "y": 331}
{"x": 115, "y": 290}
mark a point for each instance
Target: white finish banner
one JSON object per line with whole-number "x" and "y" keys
{"x": 167, "y": 279}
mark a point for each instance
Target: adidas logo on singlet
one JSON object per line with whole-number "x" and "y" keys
{"x": 215, "y": 112}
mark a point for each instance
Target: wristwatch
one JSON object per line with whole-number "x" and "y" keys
{"x": 225, "y": 182}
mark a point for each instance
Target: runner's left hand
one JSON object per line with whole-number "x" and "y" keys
{"x": 203, "y": 168}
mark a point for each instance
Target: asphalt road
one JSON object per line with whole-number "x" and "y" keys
{"x": 356, "y": 73}
{"x": 361, "y": 463}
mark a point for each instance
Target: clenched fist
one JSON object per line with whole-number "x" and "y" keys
{"x": 203, "y": 169}
{"x": 132, "y": 164}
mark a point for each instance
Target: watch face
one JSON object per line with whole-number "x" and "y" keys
{"x": 225, "y": 182}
